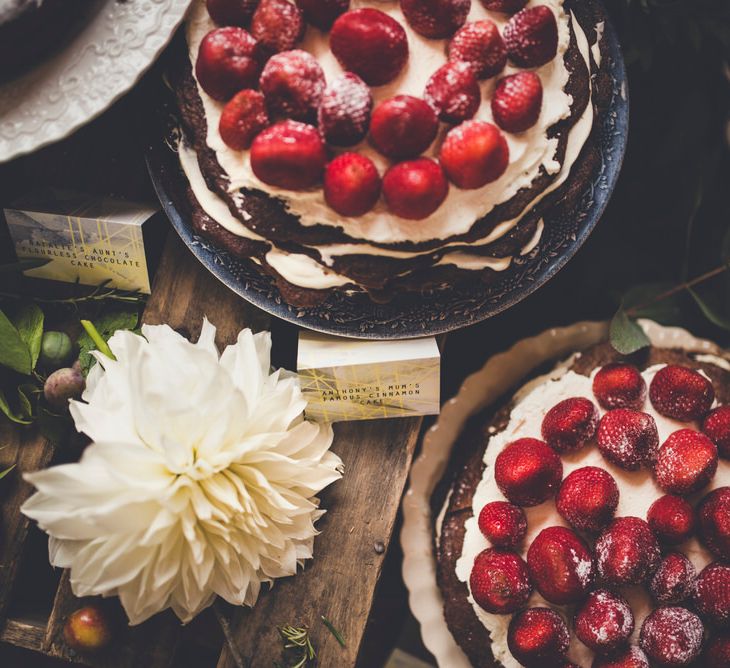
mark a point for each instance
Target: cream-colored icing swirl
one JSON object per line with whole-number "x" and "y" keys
{"x": 638, "y": 491}
{"x": 529, "y": 152}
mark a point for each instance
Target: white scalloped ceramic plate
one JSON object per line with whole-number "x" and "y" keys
{"x": 101, "y": 63}
{"x": 501, "y": 372}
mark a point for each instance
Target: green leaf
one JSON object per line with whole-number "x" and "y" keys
{"x": 106, "y": 325}
{"x": 625, "y": 334}
{"x": 29, "y": 323}
{"x": 6, "y": 471}
{"x": 14, "y": 352}
{"x": 25, "y": 393}
{"x": 9, "y": 412}
{"x": 642, "y": 301}
{"x": 710, "y": 312}
{"x": 23, "y": 265}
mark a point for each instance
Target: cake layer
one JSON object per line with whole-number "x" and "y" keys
{"x": 313, "y": 249}
{"x": 480, "y": 634}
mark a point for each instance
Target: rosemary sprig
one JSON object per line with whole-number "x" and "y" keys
{"x": 99, "y": 294}
{"x": 297, "y": 641}
{"x": 330, "y": 626}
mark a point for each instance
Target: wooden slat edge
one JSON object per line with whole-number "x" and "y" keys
{"x": 22, "y": 634}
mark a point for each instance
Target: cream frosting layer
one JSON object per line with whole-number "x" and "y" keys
{"x": 529, "y": 152}
{"x": 638, "y": 491}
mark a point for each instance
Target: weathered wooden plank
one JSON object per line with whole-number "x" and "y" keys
{"x": 29, "y": 451}
{"x": 23, "y": 634}
{"x": 348, "y": 556}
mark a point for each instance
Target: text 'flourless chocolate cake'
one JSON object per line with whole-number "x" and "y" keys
{"x": 387, "y": 146}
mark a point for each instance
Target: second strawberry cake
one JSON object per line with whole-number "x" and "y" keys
{"x": 587, "y": 522}
{"x": 389, "y": 145}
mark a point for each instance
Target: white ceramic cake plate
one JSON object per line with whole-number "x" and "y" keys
{"x": 504, "y": 372}
{"x": 97, "y": 66}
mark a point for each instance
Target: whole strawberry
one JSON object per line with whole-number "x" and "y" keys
{"x": 673, "y": 581}
{"x": 561, "y": 566}
{"x": 344, "y": 112}
{"x": 604, "y": 622}
{"x": 352, "y": 184}
{"x": 685, "y": 463}
{"x": 371, "y": 44}
{"x": 528, "y": 471}
{"x": 619, "y": 385}
{"x": 713, "y": 518}
{"x": 415, "y": 189}
{"x": 628, "y": 438}
{"x": 681, "y": 393}
{"x": 480, "y": 45}
{"x": 517, "y": 101}
{"x": 473, "y": 154}
{"x": 293, "y": 84}
{"x": 570, "y": 424}
{"x": 506, "y": 6}
{"x": 227, "y": 62}
{"x": 531, "y": 37}
{"x": 243, "y": 117}
{"x": 435, "y": 19}
{"x": 633, "y": 657}
{"x": 453, "y": 91}
{"x": 231, "y": 12}
{"x": 499, "y": 581}
{"x": 627, "y": 552}
{"x": 538, "y": 636}
{"x": 289, "y": 155}
{"x": 278, "y": 25}
{"x": 588, "y": 498}
{"x": 322, "y": 13}
{"x": 403, "y": 127}
{"x": 503, "y": 524}
{"x": 672, "y": 636}
{"x": 711, "y": 595}
{"x": 672, "y": 519}
{"x": 716, "y": 426}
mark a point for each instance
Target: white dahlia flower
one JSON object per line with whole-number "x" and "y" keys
{"x": 200, "y": 480}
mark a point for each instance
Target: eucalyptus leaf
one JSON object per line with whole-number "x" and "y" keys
{"x": 29, "y": 323}
{"x": 9, "y": 412}
{"x": 710, "y": 312}
{"x": 14, "y": 352}
{"x": 626, "y": 335}
{"x": 23, "y": 265}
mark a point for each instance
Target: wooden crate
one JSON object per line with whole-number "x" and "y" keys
{"x": 340, "y": 583}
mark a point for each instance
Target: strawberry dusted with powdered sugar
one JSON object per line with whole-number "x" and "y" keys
{"x": 671, "y": 518}
{"x": 499, "y": 581}
{"x": 538, "y": 636}
{"x": 517, "y": 101}
{"x": 503, "y": 524}
{"x": 403, "y": 127}
{"x": 322, "y": 13}
{"x": 673, "y": 581}
{"x": 713, "y": 519}
{"x": 619, "y": 385}
{"x": 278, "y": 25}
{"x": 672, "y": 636}
{"x": 588, "y": 498}
{"x": 293, "y": 83}
{"x": 243, "y": 117}
{"x": 531, "y": 36}
{"x": 685, "y": 463}
{"x": 604, "y": 622}
{"x": 453, "y": 91}
{"x": 628, "y": 438}
{"x": 681, "y": 393}
{"x": 344, "y": 112}
{"x": 570, "y": 424}
{"x": 435, "y": 19}
{"x": 716, "y": 426}
{"x": 528, "y": 472}
{"x": 231, "y": 12}
{"x": 627, "y": 552}
{"x": 480, "y": 45}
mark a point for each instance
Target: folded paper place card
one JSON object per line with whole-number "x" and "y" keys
{"x": 87, "y": 239}
{"x": 347, "y": 379}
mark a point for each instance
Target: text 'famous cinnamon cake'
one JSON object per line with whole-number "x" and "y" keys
{"x": 587, "y": 522}
{"x": 387, "y": 146}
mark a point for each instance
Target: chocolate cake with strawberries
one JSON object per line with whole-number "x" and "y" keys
{"x": 587, "y": 521}
{"x": 390, "y": 145}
